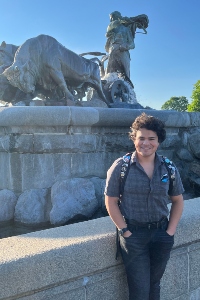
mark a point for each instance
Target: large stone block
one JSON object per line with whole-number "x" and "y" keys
{"x": 167, "y": 153}
{"x": 185, "y": 155}
{"x": 112, "y": 285}
{"x": 194, "y": 266}
{"x": 175, "y": 279}
{"x": 194, "y": 142}
{"x": 171, "y": 141}
{"x": 8, "y": 201}
{"x": 117, "y": 143}
{"x": 88, "y": 164}
{"x": 92, "y": 164}
{"x": 22, "y": 143}
{"x": 72, "y": 198}
{"x": 4, "y": 143}
{"x": 4, "y": 170}
{"x": 80, "y": 129}
{"x": 35, "y": 116}
{"x": 69, "y": 291}
{"x": 32, "y": 207}
{"x": 33, "y": 171}
{"x": 15, "y": 172}
{"x": 195, "y": 295}
{"x": 43, "y": 170}
{"x": 195, "y": 168}
{"x": 36, "y": 129}
{"x": 103, "y": 130}
{"x": 47, "y": 258}
{"x": 99, "y": 186}
{"x": 64, "y": 143}
{"x": 125, "y": 117}
{"x": 194, "y": 117}
{"x": 188, "y": 227}
{"x": 175, "y": 118}
{"x": 84, "y": 116}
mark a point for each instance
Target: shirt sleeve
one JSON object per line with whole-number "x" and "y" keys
{"x": 112, "y": 188}
{"x": 178, "y": 188}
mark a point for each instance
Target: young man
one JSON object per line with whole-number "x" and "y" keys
{"x": 146, "y": 234}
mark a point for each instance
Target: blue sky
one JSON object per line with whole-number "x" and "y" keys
{"x": 165, "y": 62}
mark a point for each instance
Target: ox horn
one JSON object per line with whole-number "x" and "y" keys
{"x": 16, "y": 68}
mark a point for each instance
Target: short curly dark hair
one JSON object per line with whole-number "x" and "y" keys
{"x": 149, "y": 123}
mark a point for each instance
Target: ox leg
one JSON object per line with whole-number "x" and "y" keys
{"x": 98, "y": 88}
{"x": 59, "y": 79}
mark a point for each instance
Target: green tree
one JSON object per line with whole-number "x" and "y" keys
{"x": 195, "y": 104}
{"x": 176, "y": 103}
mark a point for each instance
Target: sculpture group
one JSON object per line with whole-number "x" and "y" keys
{"x": 42, "y": 66}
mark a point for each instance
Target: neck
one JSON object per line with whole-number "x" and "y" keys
{"x": 146, "y": 159}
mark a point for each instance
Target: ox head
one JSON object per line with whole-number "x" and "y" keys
{"x": 21, "y": 77}
{"x": 7, "y": 53}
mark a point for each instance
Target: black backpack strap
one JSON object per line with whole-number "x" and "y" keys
{"x": 171, "y": 172}
{"x": 124, "y": 171}
{"x": 123, "y": 175}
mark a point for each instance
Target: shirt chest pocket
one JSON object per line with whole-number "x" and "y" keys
{"x": 137, "y": 186}
{"x": 162, "y": 188}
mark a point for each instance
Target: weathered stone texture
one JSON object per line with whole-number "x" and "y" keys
{"x": 194, "y": 143}
{"x": 117, "y": 143}
{"x": 195, "y": 295}
{"x": 70, "y": 291}
{"x": 99, "y": 185}
{"x": 175, "y": 279}
{"x": 43, "y": 170}
{"x": 71, "y": 199}
{"x": 195, "y": 168}
{"x": 5, "y": 171}
{"x": 194, "y": 270}
{"x": 4, "y": 143}
{"x": 184, "y": 155}
{"x": 64, "y": 143}
{"x": 171, "y": 141}
{"x": 32, "y": 207}
{"x": 8, "y": 201}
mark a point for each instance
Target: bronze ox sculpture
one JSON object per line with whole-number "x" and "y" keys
{"x": 45, "y": 62}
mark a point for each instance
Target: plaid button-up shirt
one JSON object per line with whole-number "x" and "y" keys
{"x": 144, "y": 199}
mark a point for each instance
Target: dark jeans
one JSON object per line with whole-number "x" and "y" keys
{"x": 145, "y": 254}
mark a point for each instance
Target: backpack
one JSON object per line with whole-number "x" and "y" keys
{"x": 126, "y": 166}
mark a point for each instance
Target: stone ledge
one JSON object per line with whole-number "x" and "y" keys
{"x": 54, "y": 257}
{"x": 87, "y": 116}
{"x": 49, "y": 257}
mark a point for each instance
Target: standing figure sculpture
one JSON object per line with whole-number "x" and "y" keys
{"x": 120, "y": 39}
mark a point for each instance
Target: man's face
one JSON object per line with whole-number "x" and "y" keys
{"x": 146, "y": 142}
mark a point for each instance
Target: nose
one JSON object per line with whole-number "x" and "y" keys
{"x": 146, "y": 142}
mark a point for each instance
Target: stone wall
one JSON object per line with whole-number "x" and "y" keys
{"x": 77, "y": 262}
{"x": 54, "y": 159}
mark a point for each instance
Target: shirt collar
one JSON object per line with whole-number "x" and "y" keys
{"x": 158, "y": 158}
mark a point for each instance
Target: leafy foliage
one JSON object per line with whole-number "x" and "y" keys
{"x": 176, "y": 103}
{"x": 195, "y": 104}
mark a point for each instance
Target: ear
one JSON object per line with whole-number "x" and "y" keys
{"x": 3, "y": 44}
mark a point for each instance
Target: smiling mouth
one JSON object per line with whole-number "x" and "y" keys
{"x": 146, "y": 148}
